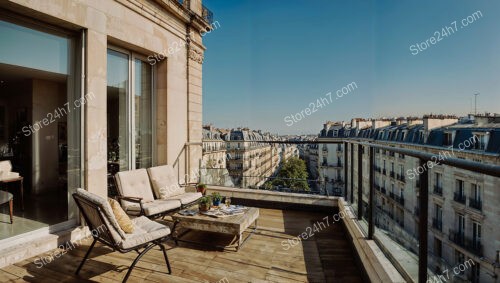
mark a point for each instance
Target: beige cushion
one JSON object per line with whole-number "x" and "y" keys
{"x": 154, "y": 207}
{"x": 121, "y": 217}
{"x": 115, "y": 230}
{"x": 165, "y": 182}
{"x": 134, "y": 183}
{"x": 146, "y": 231}
{"x": 187, "y": 198}
{"x": 165, "y": 189}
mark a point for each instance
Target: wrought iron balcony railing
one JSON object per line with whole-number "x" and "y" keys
{"x": 399, "y": 199}
{"x": 475, "y": 203}
{"x": 400, "y": 177}
{"x": 438, "y": 190}
{"x": 474, "y": 246}
{"x": 459, "y": 197}
{"x": 457, "y": 237}
{"x": 392, "y": 174}
{"x": 437, "y": 224}
{"x": 207, "y": 14}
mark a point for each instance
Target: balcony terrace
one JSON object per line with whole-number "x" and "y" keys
{"x": 326, "y": 257}
{"x": 335, "y": 253}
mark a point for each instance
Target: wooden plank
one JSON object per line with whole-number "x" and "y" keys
{"x": 325, "y": 257}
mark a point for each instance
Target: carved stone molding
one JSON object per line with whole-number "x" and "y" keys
{"x": 196, "y": 55}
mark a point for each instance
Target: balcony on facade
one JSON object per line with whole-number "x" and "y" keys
{"x": 457, "y": 237}
{"x": 476, "y": 204}
{"x": 459, "y": 197}
{"x": 384, "y": 171}
{"x": 400, "y": 200}
{"x": 333, "y": 165}
{"x": 392, "y": 174}
{"x": 401, "y": 177}
{"x": 437, "y": 224}
{"x": 438, "y": 190}
{"x": 473, "y": 246}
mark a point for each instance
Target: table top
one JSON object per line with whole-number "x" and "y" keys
{"x": 12, "y": 179}
{"x": 5, "y": 197}
{"x": 228, "y": 224}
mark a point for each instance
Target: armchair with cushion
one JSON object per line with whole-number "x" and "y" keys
{"x": 137, "y": 197}
{"x": 166, "y": 186}
{"x": 105, "y": 228}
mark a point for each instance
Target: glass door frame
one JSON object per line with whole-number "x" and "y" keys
{"x": 130, "y": 106}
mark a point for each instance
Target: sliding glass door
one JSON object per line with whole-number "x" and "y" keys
{"x": 129, "y": 111}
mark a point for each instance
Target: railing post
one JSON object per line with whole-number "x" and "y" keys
{"x": 422, "y": 227}
{"x": 371, "y": 227}
{"x": 360, "y": 182}
{"x": 345, "y": 170}
{"x": 352, "y": 172}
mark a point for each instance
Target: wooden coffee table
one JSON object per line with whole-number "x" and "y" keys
{"x": 233, "y": 225}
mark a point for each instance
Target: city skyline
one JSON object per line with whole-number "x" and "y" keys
{"x": 266, "y": 74}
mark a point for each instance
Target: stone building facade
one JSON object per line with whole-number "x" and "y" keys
{"x": 135, "y": 69}
{"x": 463, "y": 224}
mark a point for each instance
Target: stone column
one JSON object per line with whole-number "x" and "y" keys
{"x": 95, "y": 123}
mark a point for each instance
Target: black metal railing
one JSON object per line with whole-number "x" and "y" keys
{"x": 438, "y": 190}
{"x": 383, "y": 190}
{"x": 207, "y": 14}
{"x": 392, "y": 174}
{"x": 423, "y": 156}
{"x": 401, "y": 177}
{"x": 457, "y": 237}
{"x": 475, "y": 203}
{"x": 399, "y": 199}
{"x": 384, "y": 171}
{"x": 437, "y": 224}
{"x": 459, "y": 197}
{"x": 474, "y": 246}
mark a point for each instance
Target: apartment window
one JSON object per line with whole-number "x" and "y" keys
{"x": 459, "y": 194}
{"x": 475, "y": 199}
{"x": 438, "y": 217}
{"x": 460, "y": 224}
{"x": 448, "y": 139}
{"x": 438, "y": 248}
{"x": 475, "y": 273}
{"x": 459, "y": 259}
{"x": 476, "y": 235}
{"x": 129, "y": 111}
{"x": 438, "y": 179}
{"x": 479, "y": 142}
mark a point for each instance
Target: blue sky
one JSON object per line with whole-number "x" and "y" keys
{"x": 271, "y": 59}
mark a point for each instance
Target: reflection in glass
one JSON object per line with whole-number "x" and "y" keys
{"x": 117, "y": 94}
{"x": 22, "y": 46}
{"x": 143, "y": 115}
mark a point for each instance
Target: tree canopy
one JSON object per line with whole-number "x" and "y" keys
{"x": 293, "y": 175}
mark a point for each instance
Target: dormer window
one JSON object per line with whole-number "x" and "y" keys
{"x": 479, "y": 141}
{"x": 448, "y": 139}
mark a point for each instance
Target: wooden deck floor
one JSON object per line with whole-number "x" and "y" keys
{"x": 325, "y": 257}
